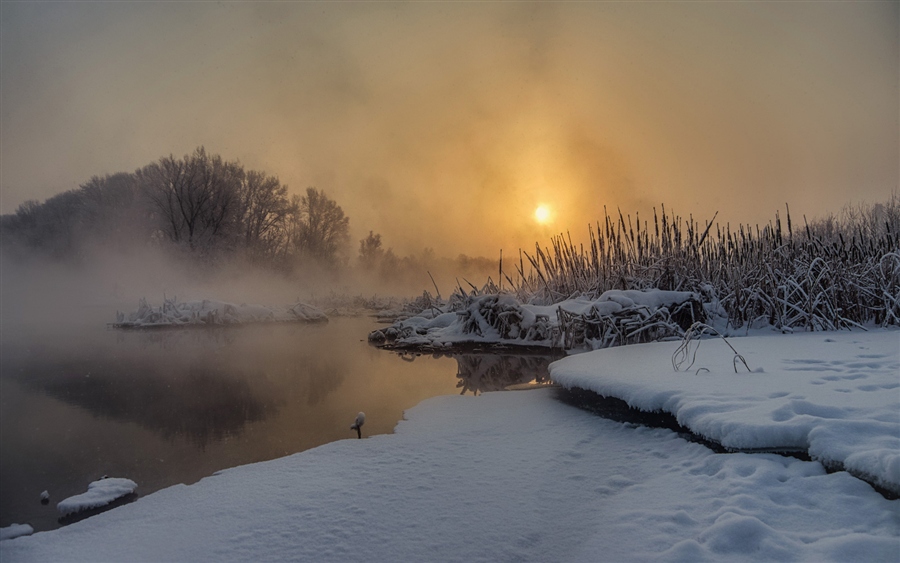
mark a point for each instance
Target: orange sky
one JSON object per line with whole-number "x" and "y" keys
{"x": 446, "y": 124}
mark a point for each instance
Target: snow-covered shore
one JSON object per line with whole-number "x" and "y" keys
{"x": 835, "y": 395}
{"x": 522, "y": 476}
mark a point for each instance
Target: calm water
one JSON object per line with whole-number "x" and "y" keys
{"x": 170, "y": 407}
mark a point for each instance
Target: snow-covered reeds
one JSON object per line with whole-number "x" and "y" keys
{"x": 829, "y": 274}
{"x": 488, "y": 317}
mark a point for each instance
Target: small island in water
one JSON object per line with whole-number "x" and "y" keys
{"x": 209, "y": 312}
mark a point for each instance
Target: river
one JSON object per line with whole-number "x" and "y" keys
{"x": 173, "y": 406}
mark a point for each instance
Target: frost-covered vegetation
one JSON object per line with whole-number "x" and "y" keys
{"x": 207, "y": 312}
{"x": 832, "y": 273}
{"x": 614, "y": 318}
{"x": 638, "y": 282}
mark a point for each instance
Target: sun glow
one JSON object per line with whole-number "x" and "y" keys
{"x": 542, "y": 214}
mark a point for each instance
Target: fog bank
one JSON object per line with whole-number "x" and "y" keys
{"x": 445, "y": 125}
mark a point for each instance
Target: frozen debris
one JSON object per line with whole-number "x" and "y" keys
{"x": 15, "y": 530}
{"x": 208, "y": 312}
{"x": 99, "y": 493}
{"x": 616, "y": 317}
{"x": 45, "y": 497}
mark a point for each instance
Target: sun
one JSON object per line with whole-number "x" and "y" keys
{"x": 542, "y": 214}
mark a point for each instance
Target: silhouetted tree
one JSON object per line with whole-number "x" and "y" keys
{"x": 113, "y": 211}
{"x": 195, "y": 197}
{"x": 53, "y": 226}
{"x": 319, "y": 228}
{"x": 198, "y": 202}
{"x": 370, "y": 251}
{"x": 263, "y": 209}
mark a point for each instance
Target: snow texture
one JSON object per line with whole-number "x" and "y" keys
{"x": 519, "y": 476}
{"x": 211, "y": 312}
{"x": 99, "y": 493}
{"x": 835, "y": 394}
{"x": 15, "y": 531}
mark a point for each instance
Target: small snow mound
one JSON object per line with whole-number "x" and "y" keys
{"x": 736, "y": 534}
{"x": 15, "y": 530}
{"x": 99, "y": 493}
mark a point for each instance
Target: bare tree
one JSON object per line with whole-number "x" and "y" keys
{"x": 220, "y": 220}
{"x": 165, "y": 184}
{"x": 195, "y": 197}
{"x": 319, "y": 228}
{"x": 263, "y": 208}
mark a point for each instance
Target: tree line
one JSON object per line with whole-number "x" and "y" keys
{"x": 200, "y": 204}
{"x": 205, "y": 208}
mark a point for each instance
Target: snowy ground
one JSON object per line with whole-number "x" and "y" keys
{"x": 520, "y": 476}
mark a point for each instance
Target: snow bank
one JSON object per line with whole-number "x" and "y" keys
{"x": 15, "y": 531}
{"x": 835, "y": 395}
{"x": 210, "y": 312}
{"x": 614, "y": 318}
{"x": 99, "y": 493}
{"x": 498, "y": 477}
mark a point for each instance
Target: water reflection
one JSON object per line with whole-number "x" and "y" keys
{"x": 478, "y": 373}
{"x": 177, "y": 338}
{"x": 203, "y": 403}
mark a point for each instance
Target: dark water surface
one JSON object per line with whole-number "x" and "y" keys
{"x": 168, "y": 407}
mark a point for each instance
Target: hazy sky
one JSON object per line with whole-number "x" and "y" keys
{"x": 445, "y": 124}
